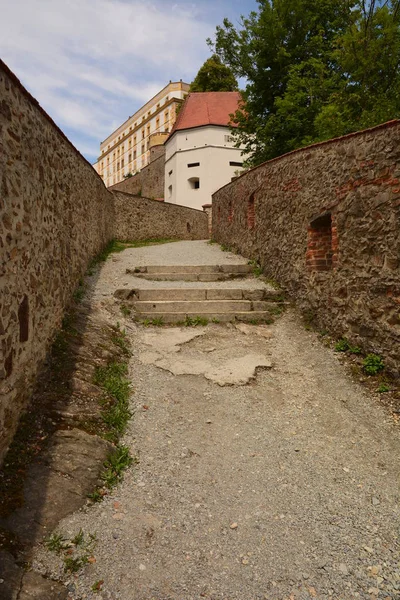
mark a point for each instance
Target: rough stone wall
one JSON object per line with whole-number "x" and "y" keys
{"x": 55, "y": 215}
{"x": 156, "y": 152}
{"x": 324, "y": 221}
{"x": 138, "y": 218}
{"x": 149, "y": 182}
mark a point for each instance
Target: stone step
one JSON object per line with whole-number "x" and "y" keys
{"x": 191, "y": 272}
{"x": 209, "y": 307}
{"x": 176, "y": 317}
{"x": 176, "y": 294}
{"x": 158, "y": 269}
{"x": 189, "y": 276}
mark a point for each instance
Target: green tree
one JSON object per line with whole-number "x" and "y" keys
{"x": 214, "y": 76}
{"x": 314, "y": 70}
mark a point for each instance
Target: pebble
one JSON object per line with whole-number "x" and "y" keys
{"x": 234, "y": 526}
{"x": 343, "y": 569}
{"x": 375, "y": 501}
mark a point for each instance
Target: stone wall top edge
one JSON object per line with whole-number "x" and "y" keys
{"x": 332, "y": 141}
{"x": 163, "y": 203}
{"x": 32, "y": 100}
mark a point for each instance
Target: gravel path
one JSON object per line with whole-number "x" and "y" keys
{"x": 113, "y": 272}
{"x": 286, "y": 488}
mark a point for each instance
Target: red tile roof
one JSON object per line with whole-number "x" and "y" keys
{"x": 207, "y": 108}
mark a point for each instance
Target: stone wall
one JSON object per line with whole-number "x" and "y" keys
{"x": 55, "y": 215}
{"x": 138, "y": 218}
{"x": 149, "y": 182}
{"x": 324, "y": 221}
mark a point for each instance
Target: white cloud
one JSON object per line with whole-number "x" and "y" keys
{"x": 92, "y": 63}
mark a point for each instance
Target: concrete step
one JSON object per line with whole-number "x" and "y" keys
{"x": 200, "y": 306}
{"x": 191, "y": 272}
{"x": 192, "y": 294}
{"x": 235, "y": 268}
{"x": 180, "y": 317}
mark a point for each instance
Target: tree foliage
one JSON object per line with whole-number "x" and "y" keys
{"x": 214, "y": 76}
{"x": 314, "y": 70}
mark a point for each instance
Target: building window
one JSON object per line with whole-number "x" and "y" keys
{"x": 251, "y": 212}
{"x": 157, "y": 124}
{"x": 134, "y": 140}
{"x": 170, "y": 173}
{"x": 134, "y": 155}
{"x": 190, "y": 165}
{"x": 130, "y": 143}
{"x": 117, "y": 166}
{"x": 235, "y": 164}
{"x": 169, "y": 191}
{"x": 322, "y": 245}
{"x": 166, "y": 117}
{"x": 143, "y": 149}
{"x": 148, "y": 129}
{"x": 130, "y": 158}
{"x": 142, "y": 134}
{"x": 194, "y": 183}
{"x": 130, "y": 128}
{"x": 122, "y": 163}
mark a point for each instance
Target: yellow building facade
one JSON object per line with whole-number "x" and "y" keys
{"x": 127, "y": 149}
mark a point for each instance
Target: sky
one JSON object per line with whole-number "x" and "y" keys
{"x": 93, "y": 63}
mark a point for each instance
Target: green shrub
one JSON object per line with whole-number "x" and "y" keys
{"x": 373, "y": 364}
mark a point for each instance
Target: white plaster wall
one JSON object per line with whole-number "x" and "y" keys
{"x": 208, "y": 146}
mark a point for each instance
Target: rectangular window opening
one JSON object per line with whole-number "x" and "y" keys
{"x": 322, "y": 244}
{"x": 190, "y": 165}
{"x": 235, "y": 164}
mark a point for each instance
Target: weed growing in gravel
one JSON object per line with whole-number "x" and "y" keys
{"x": 126, "y": 311}
{"x": 60, "y": 544}
{"x": 114, "y": 381}
{"x": 383, "y": 388}
{"x": 156, "y": 322}
{"x": 56, "y": 542}
{"x": 195, "y": 321}
{"x": 216, "y": 321}
{"x": 96, "y": 587}
{"x": 79, "y": 538}
{"x": 115, "y": 465}
{"x": 257, "y": 270}
{"x": 75, "y": 564}
{"x": 343, "y": 345}
{"x": 373, "y": 364}
{"x": 119, "y": 339}
{"x": 277, "y": 310}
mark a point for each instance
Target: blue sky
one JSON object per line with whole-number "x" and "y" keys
{"x": 92, "y": 63}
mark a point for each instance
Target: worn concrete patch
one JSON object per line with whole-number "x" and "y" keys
{"x": 237, "y": 371}
{"x": 170, "y": 340}
{"x": 222, "y": 371}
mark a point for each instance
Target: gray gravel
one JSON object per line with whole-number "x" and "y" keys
{"x": 283, "y": 489}
{"x": 113, "y": 272}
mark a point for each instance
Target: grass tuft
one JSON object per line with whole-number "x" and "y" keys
{"x": 195, "y": 321}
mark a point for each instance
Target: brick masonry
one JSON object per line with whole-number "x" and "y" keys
{"x": 55, "y": 216}
{"x": 324, "y": 221}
